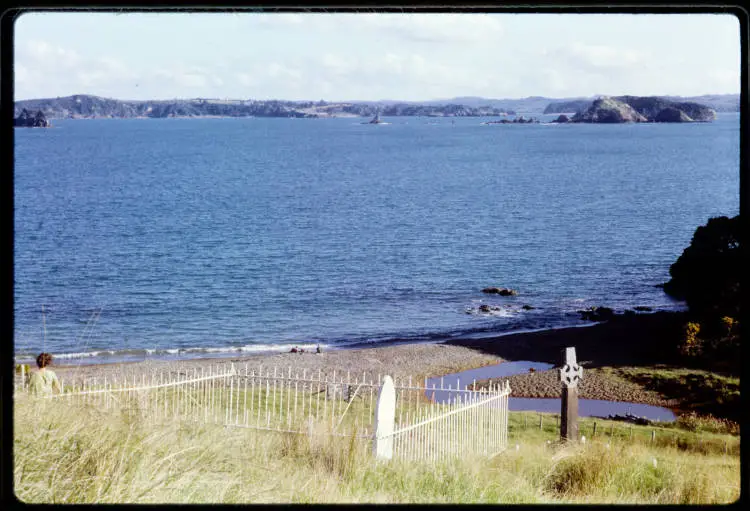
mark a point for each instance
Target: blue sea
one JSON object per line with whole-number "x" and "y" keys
{"x": 174, "y": 238}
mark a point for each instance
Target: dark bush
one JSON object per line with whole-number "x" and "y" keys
{"x": 707, "y": 274}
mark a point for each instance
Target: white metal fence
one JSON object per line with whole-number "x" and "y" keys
{"x": 468, "y": 423}
{"x": 425, "y": 423}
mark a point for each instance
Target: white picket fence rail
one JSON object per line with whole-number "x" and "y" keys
{"x": 338, "y": 403}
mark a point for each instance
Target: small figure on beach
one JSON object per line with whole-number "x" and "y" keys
{"x": 301, "y": 350}
{"x": 293, "y": 350}
{"x": 318, "y": 349}
{"x": 44, "y": 380}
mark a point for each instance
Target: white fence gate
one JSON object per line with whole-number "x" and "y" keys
{"x": 421, "y": 423}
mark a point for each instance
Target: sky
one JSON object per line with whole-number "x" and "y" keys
{"x": 373, "y": 56}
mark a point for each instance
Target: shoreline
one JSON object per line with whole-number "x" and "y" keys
{"x": 103, "y": 356}
{"x": 622, "y": 341}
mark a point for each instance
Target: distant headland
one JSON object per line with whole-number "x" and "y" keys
{"x": 85, "y": 106}
{"x": 652, "y": 108}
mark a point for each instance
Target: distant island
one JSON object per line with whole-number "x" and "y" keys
{"x": 640, "y": 109}
{"x": 86, "y": 106}
{"x": 717, "y": 102}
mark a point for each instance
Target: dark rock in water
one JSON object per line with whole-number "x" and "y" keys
{"x": 528, "y": 307}
{"x": 597, "y": 313}
{"x": 502, "y": 291}
{"x": 489, "y": 308}
{"x": 562, "y": 118}
{"x": 26, "y": 120}
{"x": 643, "y": 308}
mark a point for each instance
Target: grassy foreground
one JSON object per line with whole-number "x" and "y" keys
{"x": 66, "y": 454}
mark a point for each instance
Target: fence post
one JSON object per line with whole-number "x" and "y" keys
{"x": 570, "y": 374}
{"x": 594, "y": 433}
{"x": 653, "y": 435}
{"x": 385, "y": 416}
{"x": 540, "y": 422}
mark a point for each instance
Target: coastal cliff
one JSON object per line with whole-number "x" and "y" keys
{"x": 86, "y": 106}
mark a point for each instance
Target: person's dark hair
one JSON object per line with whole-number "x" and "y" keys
{"x": 43, "y": 360}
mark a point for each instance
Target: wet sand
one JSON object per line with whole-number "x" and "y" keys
{"x": 641, "y": 340}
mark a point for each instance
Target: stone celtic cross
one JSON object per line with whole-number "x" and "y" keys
{"x": 570, "y": 374}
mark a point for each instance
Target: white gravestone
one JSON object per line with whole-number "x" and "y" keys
{"x": 385, "y": 416}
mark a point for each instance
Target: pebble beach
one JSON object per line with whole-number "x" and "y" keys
{"x": 621, "y": 342}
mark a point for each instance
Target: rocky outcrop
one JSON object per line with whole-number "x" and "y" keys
{"x": 517, "y": 120}
{"x": 670, "y": 114}
{"x": 597, "y": 314}
{"x": 26, "y": 120}
{"x": 652, "y": 107}
{"x": 609, "y": 110}
{"x": 643, "y": 109}
{"x": 562, "y": 118}
{"x": 502, "y": 291}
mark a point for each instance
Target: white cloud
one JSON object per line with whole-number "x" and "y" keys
{"x": 339, "y": 65}
{"x": 436, "y": 27}
{"x": 246, "y": 79}
{"x": 277, "y": 70}
{"x": 724, "y": 79}
{"x": 37, "y": 62}
{"x": 604, "y": 56}
{"x": 596, "y": 57}
{"x": 190, "y": 79}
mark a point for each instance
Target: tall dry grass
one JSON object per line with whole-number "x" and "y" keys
{"x": 77, "y": 454}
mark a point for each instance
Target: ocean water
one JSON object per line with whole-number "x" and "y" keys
{"x": 209, "y": 237}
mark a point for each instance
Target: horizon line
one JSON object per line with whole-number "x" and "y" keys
{"x": 382, "y": 100}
